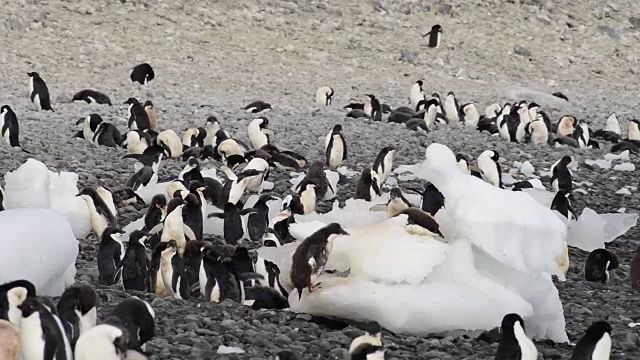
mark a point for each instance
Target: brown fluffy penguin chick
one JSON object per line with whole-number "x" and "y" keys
{"x": 151, "y": 114}
{"x": 420, "y": 222}
{"x": 635, "y": 270}
{"x": 10, "y": 343}
{"x": 311, "y": 256}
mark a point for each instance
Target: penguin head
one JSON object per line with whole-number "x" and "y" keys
{"x": 451, "y": 93}
{"x": 316, "y": 167}
{"x": 192, "y": 199}
{"x": 566, "y": 160}
{"x": 29, "y": 306}
{"x": 395, "y": 193}
{"x": 265, "y": 198}
{"x": 196, "y": 186}
{"x": 508, "y": 321}
{"x": 420, "y": 83}
{"x": 159, "y": 201}
{"x": 373, "y": 328}
{"x": 193, "y": 163}
{"x": 635, "y": 121}
{"x": 148, "y": 104}
{"x": 132, "y": 101}
{"x": 468, "y": 108}
{"x": 432, "y": 104}
{"x": 174, "y": 204}
{"x": 33, "y": 74}
{"x": 369, "y": 98}
{"x": 389, "y": 149}
{"x": 5, "y": 109}
{"x": 211, "y": 119}
{"x": 598, "y": 329}
{"x": 436, "y": 28}
{"x": 334, "y": 229}
{"x": 221, "y": 136}
{"x": 533, "y": 105}
{"x": 137, "y": 237}
{"x": 337, "y": 129}
{"x": 494, "y": 155}
{"x": 112, "y": 233}
{"x": 262, "y": 121}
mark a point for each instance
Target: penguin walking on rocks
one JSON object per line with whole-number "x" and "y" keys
{"x": 10, "y": 128}
{"x": 367, "y": 187}
{"x": 39, "y": 92}
{"x": 383, "y": 163}
{"x": 311, "y": 256}
{"x": 514, "y": 343}
{"x": 451, "y": 107}
{"x": 110, "y": 254}
{"x": 598, "y": 264}
{"x": 372, "y": 107}
{"x": 101, "y": 208}
{"x": 595, "y": 344}
{"x": 561, "y": 176}
{"x": 258, "y": 222}
{"x": 91, "y": 96}
{"x": 258, "y": 132}
{"x": 138, "y": 118}
{"x": 324, "y": 95}
{"x": 537, "y": 132}
{"x": 104, "y": 342}
{"x": 156, "y": 212}
{"x": 42, "y": 335}
{"x": 491, "y": 171}
{"x": 634, "y": 272}
{"x": 416, "y": 93}
{"x": 369, "y": 345}
{"x": 257, "y": 107}
{"x": 434, "y": 36}
{"x": 470, "y": 115}
{"x": 335, "y": 147}
{"x": 138, "y": 318}
{"x": 142, "y": 74}
{"x": 232, "y": 230}
{"x": 77, "y": 310}
{"x": 135, "y": 263}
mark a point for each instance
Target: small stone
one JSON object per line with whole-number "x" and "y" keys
{"x": 609, "y": 31}
{"x": 522, "y": 50}
{"x": 202, "y": 344}
{"x": 409, "y": 57}
{"x": 543, "y": 19}
{"x": 635, "y": 22}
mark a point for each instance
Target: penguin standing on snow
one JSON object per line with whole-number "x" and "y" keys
{"x": 257, "y": 107}
{"x": 336, "y": 147}
{"x": 138, "y": 318}
{"x": 561, "y": 176}
{"x": 258, "y": 132}
{"x": 41, "y": 333}
{"x": 135, "y": 263}
{"x": 110, "y": 254}
{"x": 258, "y": 222}
{"x": 91, "y": 96}
{"x": 419, "y": 222}
{"x": 324, "y": 95}
{"x": 383, "y": 163}
{"x": 367, "y": 187}
{"x": 10, "y": 128}
{"x": 138, "y": 118}
{"x": 598, "y": 264}
{"x": 142, "y": 73}
{"x": 107, "y": 340}
{"x": 514, "y": 343}
{"x": 595, "y": 344}
{"x": 434, "y": 36}
{"x": 77, "y": 310}
{"x": 39, "y": 92}
{"x": 101, "y": 210}
{"x": 397, "y": 202}
{"x": 311, "y": 256}
{"x": 491, "y": 171}
{"x": 451, "y": 107}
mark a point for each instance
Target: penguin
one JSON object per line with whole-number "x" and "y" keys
{"x": 633, "y": 130}
{"x": 138, "y": 118}
{"x": 191, "y": 172}
{"x": 194, "y": 137}
{"x": 285, "y": 163}
{"x": 491, "y": 171}
{"x": 10, "y": 128}
{"x": 263, "y": 297}
{"x": 372, "y": 336}
{"x": 598, "y": 264}
{"x": 561, "y": 96}
{"x": 135, "y": 263}
{"x": 372, "y": 107}
{"x": 105, "y": 342}
{"x": 324, "y": 95}
{"x": 308, "y": 196}
{"x": 561, "y": 204}
{"x": 293, "y": 203}
{"x": 564, "y": 141}
{"x": 489, "y": 125}
{"x": 41, "y": 333}
{"x": 335, "y": 147}
{"x": 528, "y": 184}
{"x": 255, "y": 183}
{"x": 434, "y": 36}
{"x": 110, "y": 254}
{"x": 232, "y": 229}
{"x": 108, "y": 135}
{"x": 171, "y": 270}
{"x": 156, "y": 212}
{"x": 91, "y": 96}
{"x": 470, "y": 115}
{"x": 212, "y": 126}
{"x": 432, "y": 199}
{"x": 534, "y": 108}
{"x": 419, "y": 222}
{"x": 318, "y": 177}
{"x": 136, "y": 142}
{"x": 311, "y": 256}
{"x": 77, "y": 310}
{"x": 217, "y": 281}
{"x": 89, "y": 126}
{"x": 634, "y": 272}
{"x": 581, "y": 134}
{"x": 492, "y": 111}
{"x": 451, "y": 107}
{"x": 368, "y": 352}
{"x": 257, "y": 107}
{"x": 514, "y": 343}
{"x": 258, "y": 132}
{"x": 356, "y": 114}
{"x": 625, "y": 146}
{"x": 170, "y": 141}
{"x": 611, "y": 132}
{"x": 258, "y": 222}
{"x": 12, "y": 294}
{"x": 227, "y": 147}
{"x": 367, "y": 187}
{"x": 192, "y": 259}
{"x": 235, "y": 185}
{"x": 10, "y": 345}
{"x": 416, "y": 93}
{"x": 467, "y": 169}
{"x": 523, "y": 120}
{"x": 566, "y": 126}
{"x": 174, "y": 227}
{"x": 561, "y": 176}
{"x": 431, "y": 115}
{"x": 2, "y": 207}
{"x": 138, "y": 318}
{"x": 595, "y": 344}
{"x": 397, "y": 202}
{"x": 145, "y": 176}
{"x": 242, "y": 262}
{"x": 537, "y": 132}
{"x": 100, "y": 211}
{"x": 383, "y": 163}
{"x": 142, "y": 73}
{"x": 192, "y": 215}
{"x": 39, "y": 92}
{"x": 401, "y": 115}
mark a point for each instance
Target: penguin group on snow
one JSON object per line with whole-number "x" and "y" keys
{"x": 170, "y": 254}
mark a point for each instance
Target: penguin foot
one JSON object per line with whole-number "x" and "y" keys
{"x": 315, "y": 287}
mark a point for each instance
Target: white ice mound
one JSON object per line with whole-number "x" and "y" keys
{"x": 354, "y": 213}
{"x": 592, "y": 230}
{"x": 332, "y": 176}
{"x": 32, "y": 185}
{"x": 509, "y": 225}
{"x": 40, "y": 247}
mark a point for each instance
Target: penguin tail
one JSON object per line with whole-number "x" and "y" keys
{"x": 26, "y": 151}
{"x": 299, "y": 294}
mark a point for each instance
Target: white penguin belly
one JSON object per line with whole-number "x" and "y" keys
{"x": 36, "y": 102}
{"x": 308, "y": 200}
{"x": 31, "y": 338}
{"x": 337, "y": 151}
{"x": 88, "y": 320}
{"x": 160, "y": 288}
{"x": 99, "y": 223}
{"x": 166, "y": 269}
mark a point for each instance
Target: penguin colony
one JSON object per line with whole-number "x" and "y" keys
{"x": 169, "y": 255}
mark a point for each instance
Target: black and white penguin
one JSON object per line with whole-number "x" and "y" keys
{"x": 39, "y": 92}
{"x": 89, "y": 126}
{"x": 170, "y": 142}
{"x": 634, "y": 131}
{"x": 171, "y": 270}
{"x": 107, "y": 134}
{"x": 469, "y": 115}
{"x": 308, "y": 196}
{"x": 151, "y": 114}
{"x": 232, "y": 229}
{"x": 219, "y": 281}
{"x": 156, "y": 211}
{"x": 91, "y": 96}
{"x": 77, "y": 310}
{"x": 138, "y": 318}
{"x": 401, "y": 115}
{"x": 451, "y": 107}
{"x": 258, "y": 132}
{"x": 372, "y": 336}
{"x": 191, "y": 172}
{"x": 318, "y": 177}
{"x": 101, "y": 209}
{"x": 324, "y": 95}
{"x": 255, "y": 183}
{"x": 192, "y": 215}
{"x": 595, "y": 344}
{"x": 136, "y": 142}
{"x": 566, "y": 125}
{"x": 611, "y": 131}
{"x": 42, "y": 335}
{"x": 174, "y": 227}
{"x": 431, "y": 115}
{"x": 293, "y": 203}
{"x": 235, "y": 185}
{"x": 383, "y": 163}
{"x": 528, "y": 184}
{"x": 419, "y": 222}
{"x": 110, "y": 254}
{"x": 12, "y": 294}
{"x": 135, "y": 263}
{"x": 138, "y": 118}
{"x": 311, "y": 256}
{"x": 491, "y": 171}
{"x": 562, "y": 205}
{"x": 10, "y": 128}
{"x": 466, "y": 168}
{"x": 416, "y": 93}
{"x": 109, "y": 341}
{"x": 598, "y": 264}
{"x": 514, "y": 343}
{"x": 581, "y": 134}
{"x": 194, "y": 137}
{"x": 335, "y": 147}
{"x": 367, "y": 187}
{"x": 283, "y": 162}
{"x": 397, "y": 202}
{"x": 432, "y": 199}
{"x": 560, "y": 95}
{"x": 372, "y": 107}
{"x": 537, "y": 132}
{"x": 142, "y": 73}
{"x": 561, "y": 176}
{"x": 434, "y": 36}
{"x": 258, "y": 222}
{"x": 257, "y": 107}
{"x": 227, "y": 147}
{"x": 145, "y": 176}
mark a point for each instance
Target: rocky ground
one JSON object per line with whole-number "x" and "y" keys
{"x": 215, "y": 57}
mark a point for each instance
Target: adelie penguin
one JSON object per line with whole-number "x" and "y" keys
{"x": 146, "y": 174}
{"x": 257, "y": 107}
{"x": 258, "y": 222}
{"x": 595, "y": 344}
{"x": 39, "y": 92}
{"x": 372, "y": 107}
{"x": 92, "y": 97}
{"x": 109, "y": 341}
{"x": 491, "y": 171}
{"x": 77, "y": 310}
{"x": 308, "y": 196}
{"x": 335, "y": 147}
{"x": 194, "y": 137}
{"x": 561, "y": 204}
{"x": 151, "y": 114}
{"x": 110, "y": 254}
{"x": 514, "y": 343}
{"x": 10, "y": 128}
{"x": 318, "y": 177}
{"x": 397, "y": 202}
{"x": 451, "y": 107}
{"x": 470, "y": 115}
{"x": 166, "y": 272}
{"x": 434, "y": 36}
{"x": 42, "y": 335}
{"x": 101, "y": 208}
{"x": 598, "y": 264}
{"x": 258, "y": 132}
{"x": 311, "y": 256}
{"x": 324, "y": 95}
{"x": 12, "y": 294}
{"x": 138, "y": 318}
{"x": 232, "y": 229}
{"x": 561, "y": 176}
{"x": 432, "y": 199}
{"x": 138, "y": 118}
{"x": 135, "y": 263}
{"x": 383, "y": 163}
{"x": 217, "y": 282}
{"x": 416, "y": 93}
{"x": 367, "y": 187}
{"x": 419, "y": 222}
{"x": 142, "y": 74}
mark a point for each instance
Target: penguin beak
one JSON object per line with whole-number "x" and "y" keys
{"x": 344, "y": 232}
{"x": 80, "y": 121}
{"x": 139, "y": 200}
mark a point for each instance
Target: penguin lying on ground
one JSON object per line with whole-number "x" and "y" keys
{"x": 598, "y": 264}
{"x": 91, "y": 96}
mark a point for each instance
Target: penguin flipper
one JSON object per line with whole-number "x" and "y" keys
{"x": 216, "y": 215}
{"x": 156, "y": 229}
{"x": 188, "y": 232}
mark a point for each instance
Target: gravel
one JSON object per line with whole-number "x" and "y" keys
{"x": 216, "y": 59}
